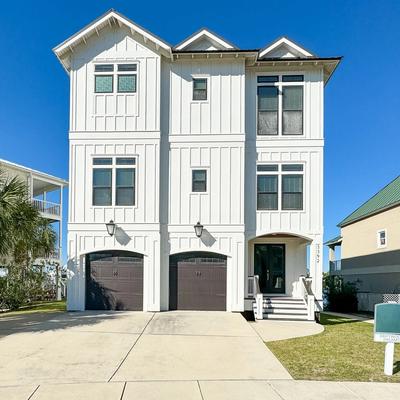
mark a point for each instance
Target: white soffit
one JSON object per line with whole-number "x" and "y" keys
{"x": 110, "y": 17}
{"x": 214, "y": 39}
{"x": 289, "y": 44}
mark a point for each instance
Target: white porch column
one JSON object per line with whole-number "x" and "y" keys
{"x": 331, "y": 253}
{"x": 316, "y": 269}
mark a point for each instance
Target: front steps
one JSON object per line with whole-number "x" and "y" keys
{"x": 284, "y": 308}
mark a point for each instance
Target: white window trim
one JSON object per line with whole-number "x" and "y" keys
{"x": 378, "y": 239}
{"x": 279, "y": 85}
{"x": 115, "y": 74}
{"x": 113, "y": 166}
{"x": 200, "y": 76}
{"x": 279, "y": 173}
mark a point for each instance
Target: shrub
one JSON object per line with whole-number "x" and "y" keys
{"x": 340, "y": 296}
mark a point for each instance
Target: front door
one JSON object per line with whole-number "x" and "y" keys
{"x": 269, "y": 265}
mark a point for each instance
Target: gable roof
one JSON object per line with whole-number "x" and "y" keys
{"x": 202, "y": 33}
{"x": 290, "y": 44}
{"x": 63, "y": 50}
{"x": 386, "y": 198}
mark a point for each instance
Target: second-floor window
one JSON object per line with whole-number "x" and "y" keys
{"x": 110, "y": 78}
{"x": 381, "y": 238}
{"x": 114, "y": 181}
{"x": 280, "y": 104}
{"x": 280, "y": 186}
{"x": 199, "y": 180}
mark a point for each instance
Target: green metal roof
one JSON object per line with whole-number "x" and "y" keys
{"x": 335, "y": 240}
{"x": 388, "y": 197}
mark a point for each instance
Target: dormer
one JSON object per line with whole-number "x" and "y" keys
{"x": 284, "y": 48}
{"x": 204, "y": 40}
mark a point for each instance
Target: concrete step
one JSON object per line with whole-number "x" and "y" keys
{"x": 292, "y": 311}
{"x": 286, "y": 317}
{"x": 284, "y": 305}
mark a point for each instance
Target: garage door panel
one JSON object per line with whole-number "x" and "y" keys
{"x": 114, "y": 282}
{"x": 198, "y": 282}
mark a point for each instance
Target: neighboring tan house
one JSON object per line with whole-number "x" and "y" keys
{"x": 46, "y": 193}
{"x": 206, "y": 163}
{"x": 369, "y": 244}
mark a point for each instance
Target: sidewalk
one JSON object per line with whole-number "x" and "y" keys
{"x": 207, "y": 390}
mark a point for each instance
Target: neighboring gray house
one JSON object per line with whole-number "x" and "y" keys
{"x": 369, "y": 244}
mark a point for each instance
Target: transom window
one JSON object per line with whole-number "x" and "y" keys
{"x": 125, "y": 76}
{"x": 280, "y": 104}
{"x": 199, "y": 89}
{"x": 280, "y": 186}
{"x": 199, "y": 180}
{"x": 114, "y": 181}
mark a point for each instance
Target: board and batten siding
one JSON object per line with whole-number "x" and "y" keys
{"x": 223, "y": 202}
{"x": 146, "y": 209}
{"x": 108, "y": 112}
{"x": 222, "y": 112}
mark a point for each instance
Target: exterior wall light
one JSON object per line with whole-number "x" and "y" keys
{"x": 111, "y": 227}
{"x": 198, "y": 229}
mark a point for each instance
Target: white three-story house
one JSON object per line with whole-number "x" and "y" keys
{"x": 196, "y": 172}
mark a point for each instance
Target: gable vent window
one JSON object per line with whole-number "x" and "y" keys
{"x": 199, "y": 89}
{"x": 125, "y": 76}
{"x": 280, "y": 105}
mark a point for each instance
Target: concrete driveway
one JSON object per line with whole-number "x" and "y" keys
{"x": 176, "y": 349}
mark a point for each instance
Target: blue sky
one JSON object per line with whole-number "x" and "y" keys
{"x": 362, "y": 105}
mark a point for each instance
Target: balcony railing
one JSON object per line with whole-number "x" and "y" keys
{"x": 335, "y": 266}
{"x": 47, "y": 207}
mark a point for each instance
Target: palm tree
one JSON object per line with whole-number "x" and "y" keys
{"x": 24, "y": 234}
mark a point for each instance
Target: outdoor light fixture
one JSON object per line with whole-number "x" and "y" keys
{"x": 198, "y": 229}
{"x": 111, "y": 227}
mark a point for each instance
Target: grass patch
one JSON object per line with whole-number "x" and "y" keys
{"x": 345, "y": 351}
{"x": 43, "y": 307}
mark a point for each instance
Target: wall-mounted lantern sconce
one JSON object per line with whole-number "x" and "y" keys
{"x": 111, "y": 226}
{"x": 198, "y": 229}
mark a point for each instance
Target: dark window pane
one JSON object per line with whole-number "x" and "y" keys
{"x": 126, "y": 83}
{"x": 126, "y": 161}
{"x": 102, "y": 196}
{"x": 267, "y": 79}
{"x": 125, "y": 197}
{"x": 292, "y": 192}
{"x": 104, "y": 68}
{"x": 127, "y": 67}
{"x": 267, "y": 167}
{"x": 103, "y": 84}
{"x": 125, "y": 177}
{"x": 292, "y": 117}
{"x": 292, "y": 78}
{"x": 292, "y": 167}
{"x": 199, "y": 180}
{"x": 267, "y": 98}
{"x": 199, "y": 89}
{"x": 267, "y": 192}
{"x": 102, "y": 177}
{"x": 102, "y": 161}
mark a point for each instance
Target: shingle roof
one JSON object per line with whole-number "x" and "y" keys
{"x": 387, "y": 197}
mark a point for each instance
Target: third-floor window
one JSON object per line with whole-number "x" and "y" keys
{"x": 280, "y": 104}
{"x": 110, "y": 78}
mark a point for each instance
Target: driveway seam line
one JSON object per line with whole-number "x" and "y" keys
{"x": 201, "y": 393}
{"x": 123, "y": 391}
{"x": 129, "y": 351}
{"x": 343, "y": 384}
{"x": 37, "y": 387}
{"x": 274, "y": 389}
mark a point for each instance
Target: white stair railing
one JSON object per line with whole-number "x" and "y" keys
{"x": 259, "y": 298}
{"x": 308, "y": 296}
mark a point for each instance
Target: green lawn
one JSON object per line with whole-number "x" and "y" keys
{"x": 344, "y": 351}
{"x": 48, "y": 306}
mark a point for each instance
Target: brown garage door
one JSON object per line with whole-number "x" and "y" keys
{"x": 197, "y": 281}
{"x": 114, "y": 281}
